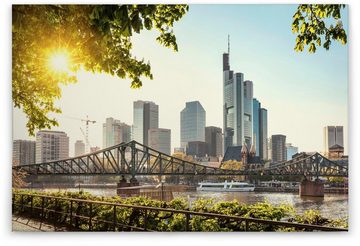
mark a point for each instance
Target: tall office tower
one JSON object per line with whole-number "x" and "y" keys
{"x": 290, "y": 151}
{"x": 263, "y": 134}
{"x": 146, "y": 116}
{"x": 248, "y": 111}
{"x": 79, "y": 148}
{"x": 278, "y": 153}
{"x": 256, "y": 125}
{"x": 333, "y": 135}
{"x": 269, "y": 149}
{"x": 192, "y": 123}
{"x": 23, "y": 152}
{"x": 51, "y": 145}
{"x": 160, "y": 140}
{"x": 233, "y": 105}
{"x": 260, "y": 130}
{"x": 115, "y": 132}
{"x": 213, "y": 140}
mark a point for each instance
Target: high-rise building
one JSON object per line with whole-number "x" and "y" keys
{"x": 333, "y": 135}
{"x": 256, "y": 125}
{"x": 146, "y": 116}
{"x": 23, "y": 152}
{"x": 213, "y": 140}
{"x": 115, "y": 132}
{"x": 263, "y": 137}
{"x": 196, "y": 148}
{"x": 290, "y": 151}
{"x": 248, "y": 111}
{"x": 278, "y": 147}
{"x": 260, "y": 130}
{"x": 79, "y": 148}
{"x": 94, "y": 149}
{"x": 51, "y": 145}
{"x": 160, "y": 140}
{"x": 192, "y": 123}
{"x": 233, "y": 105}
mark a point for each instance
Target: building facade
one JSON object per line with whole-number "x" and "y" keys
{"x": 278, "y": 148}
{"x": 290, "y": 151}
{"x": 115, "y": 132}
{"x": 145, "y": 117}
{"x": 263, "y": 132}
{"x": 333, "y": 135}
{"x": 256, "y": 125}
{"x": 51, "y": 145}
{"x": 192, "y": 123}
{"x": 160, "y": 140}
{"x": 233, "y": 105}
{"x": 248, "y": 111}
{"x": 79, "y": 148}
{"x": 213, "y": 140}
{"x": 196, "y": 149}
{"x": 23, "y": 152}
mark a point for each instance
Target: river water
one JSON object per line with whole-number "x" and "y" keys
{"x": 331, "y": 205}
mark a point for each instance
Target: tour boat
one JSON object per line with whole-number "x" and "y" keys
{"x": 225, "y": 186}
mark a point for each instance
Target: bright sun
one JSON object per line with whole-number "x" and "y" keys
{"x": 59, "y": 61}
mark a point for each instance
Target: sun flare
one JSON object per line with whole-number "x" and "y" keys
{"x": 59, "y": 61}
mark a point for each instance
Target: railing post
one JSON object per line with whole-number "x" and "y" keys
{"x": 22, "y": 203}
{"x": 114, "y": 219}
{"x": 90, "y": 217}
{"x": 246, "y": 225}
{"x": 71, "y": 208}
{"x": 42, "y": 207}
{"x": 145, "y": 219}
{"x": 31, "y": 202}
{"x": 187, "y": 225}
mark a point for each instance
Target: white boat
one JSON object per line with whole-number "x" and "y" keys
{"x": 225, "y": 186}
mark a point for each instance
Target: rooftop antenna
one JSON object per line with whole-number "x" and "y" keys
{"x": 228, "y": 44}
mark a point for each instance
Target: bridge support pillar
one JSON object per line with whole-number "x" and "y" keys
{"x": 311, "y": 188}
{"x": 123, "y": 187}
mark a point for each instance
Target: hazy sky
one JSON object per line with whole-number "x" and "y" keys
{"x": 302, "y": 92}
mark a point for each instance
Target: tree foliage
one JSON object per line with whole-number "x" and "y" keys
{"x": 232, "y": 165}
{"x": 315, "y": 27}
{"x": 97, "y": 38}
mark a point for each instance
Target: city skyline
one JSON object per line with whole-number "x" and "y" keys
{"x": 194, "y": 73}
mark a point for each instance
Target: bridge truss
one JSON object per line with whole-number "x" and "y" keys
{"x": 135, "y": 159}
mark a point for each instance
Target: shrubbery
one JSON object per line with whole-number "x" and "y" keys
{"x": 165, "y": 221}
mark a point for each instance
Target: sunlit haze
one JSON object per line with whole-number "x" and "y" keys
{"x": 302, "y": 92}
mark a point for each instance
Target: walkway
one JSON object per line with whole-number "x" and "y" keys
{"x": 22, "y": 224}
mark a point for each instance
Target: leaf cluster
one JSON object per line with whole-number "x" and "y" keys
{"x": 311, "y": 23}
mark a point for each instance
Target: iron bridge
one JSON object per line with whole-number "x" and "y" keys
{"x": 136, "y": 159}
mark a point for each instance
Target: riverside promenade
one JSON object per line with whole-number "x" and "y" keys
{"x": 22, "y": 224}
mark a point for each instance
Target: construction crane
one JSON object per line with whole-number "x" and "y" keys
{"x": 86, "y": 135}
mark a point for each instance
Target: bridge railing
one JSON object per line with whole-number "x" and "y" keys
{"x": 80, "y": 215}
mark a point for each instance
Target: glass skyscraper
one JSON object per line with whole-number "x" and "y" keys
{"x": 192, "y": 123}
{"x": 146, "y": 116}
{"x": 256, "y": 125}
{"x": 260, "y": 129}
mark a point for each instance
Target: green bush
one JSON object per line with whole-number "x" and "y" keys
{"x": 103, "y": 215}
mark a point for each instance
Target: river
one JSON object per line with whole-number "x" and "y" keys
{"x": 331, "y": 205}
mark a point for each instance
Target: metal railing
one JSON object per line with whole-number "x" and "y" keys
{"x": 80, "y": 214}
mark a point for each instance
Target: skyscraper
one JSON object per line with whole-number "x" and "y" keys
{"x": 160, "y": 140}
{"x": 290, "y": 151}
{"x": 23, "y": 152}
{"x": 192, "y": 123}
{"x": 213, "y": 140}
{"x": 333, "y": 135}
{"x": 146, "y": 116}
{"x": 278, "y": 148}
{"x": 260, "y": 129}
{"x": 51, "y": 145}
{"x": 115, "y": 132}
{"x": 248, "y": 111}
{"x": 79, "y": 148}
{"x": 263, "y": 139}
{"x": 256, "y": 125}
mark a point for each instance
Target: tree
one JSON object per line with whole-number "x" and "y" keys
{"x": 309, "y": 22}
{"x": 232, "y": 165}
{"x": 94, "y": 37}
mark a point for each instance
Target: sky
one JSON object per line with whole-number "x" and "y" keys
{"x": 302, "y": 92}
